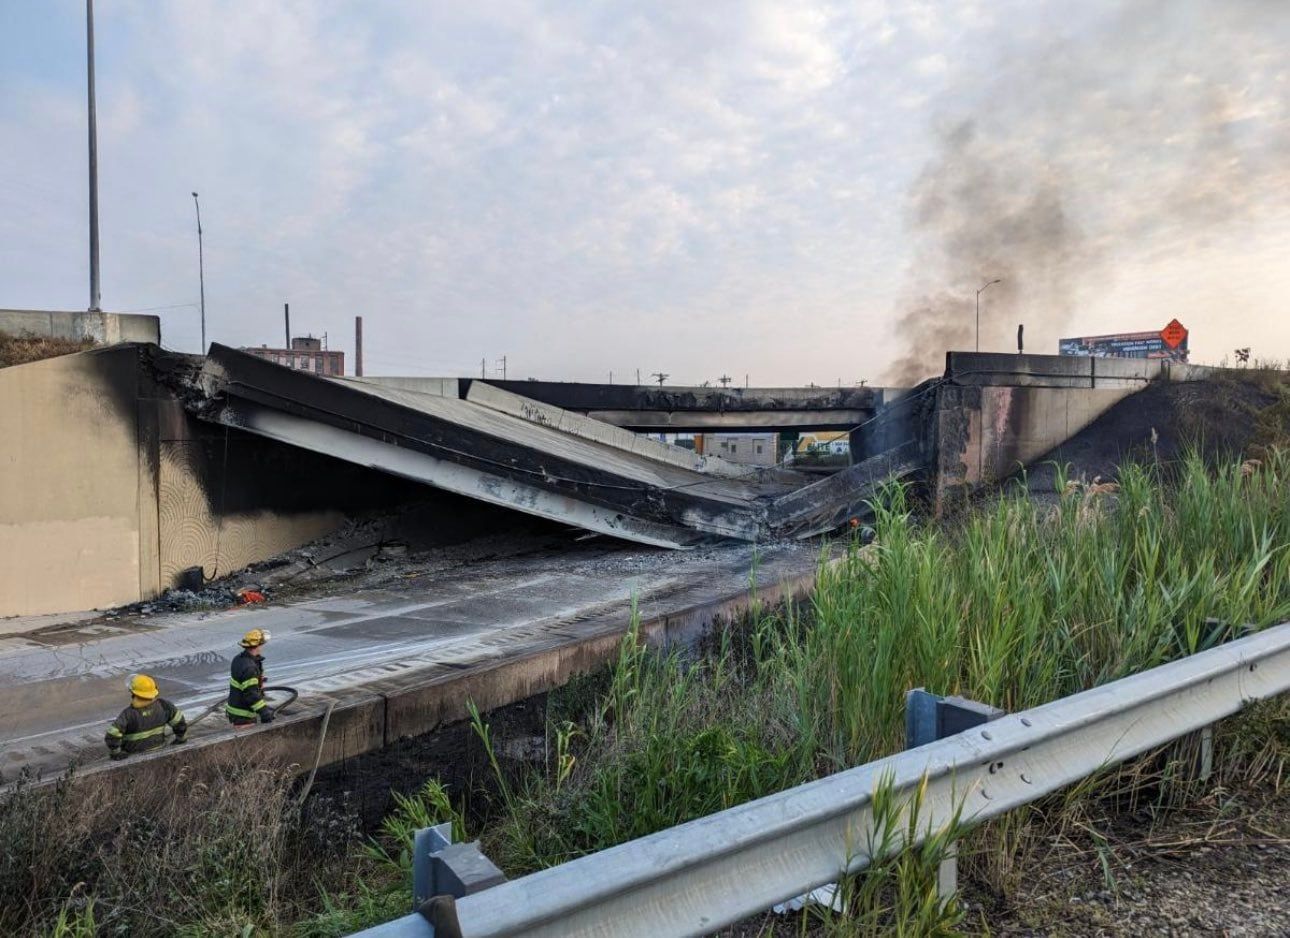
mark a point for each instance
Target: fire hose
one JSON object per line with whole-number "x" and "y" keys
{"x": 292, "y": 696}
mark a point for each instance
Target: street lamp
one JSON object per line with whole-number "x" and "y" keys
{"x": 201, "y": 271}
{"x": 978, "y": 312}
{"x": 94, "y": 157}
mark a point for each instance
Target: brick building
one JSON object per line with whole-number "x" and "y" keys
{"x": 306, "y": 354}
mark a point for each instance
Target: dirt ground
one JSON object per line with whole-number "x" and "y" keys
{"x": 1221, "y": 866}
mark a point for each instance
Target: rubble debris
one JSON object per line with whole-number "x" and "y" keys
{"x": 179, "y": 600}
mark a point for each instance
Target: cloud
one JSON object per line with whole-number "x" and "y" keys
{"x": 692, "y": 188}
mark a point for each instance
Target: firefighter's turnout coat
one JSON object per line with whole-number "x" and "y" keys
{"x": 142, "y": 729}
{"x": 246, "y": 703}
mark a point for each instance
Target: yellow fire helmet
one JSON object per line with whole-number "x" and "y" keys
{"x": 254, "y": 638}
{"x": 142, "y": 686}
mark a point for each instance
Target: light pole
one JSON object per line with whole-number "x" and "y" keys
{"x": 978, "y": 312}
{"x": 94, "y": 158}
{"x": 201, "y": 268}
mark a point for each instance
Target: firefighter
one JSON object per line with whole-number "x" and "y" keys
{"x": 246, "y": 704}
{"x": 141, "y": 727}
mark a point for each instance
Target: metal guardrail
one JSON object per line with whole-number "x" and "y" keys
{"x": 715, "y": 871}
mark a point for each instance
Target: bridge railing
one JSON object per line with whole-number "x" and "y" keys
{"x": 712, "y": 872}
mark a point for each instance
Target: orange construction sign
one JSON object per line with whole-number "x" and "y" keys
{"x": 1173, "y": 334}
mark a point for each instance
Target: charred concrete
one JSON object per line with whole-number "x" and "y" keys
{"x": 531, "y": 465}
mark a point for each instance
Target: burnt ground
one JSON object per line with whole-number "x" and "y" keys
{"x": 1230, "y": 416}
{"x": 455, "y": 756}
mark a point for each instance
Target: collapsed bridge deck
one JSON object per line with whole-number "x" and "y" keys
{"x": 500, "y": 448}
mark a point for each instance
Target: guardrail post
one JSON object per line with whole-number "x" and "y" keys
{"x": 1206, "y": 752}
{"x": 443, "y": 868}
{"x": 425, "y": 844}
{"x": 928, "y": 718}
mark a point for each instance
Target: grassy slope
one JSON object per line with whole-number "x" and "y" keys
{"x": 1016, "y": 605}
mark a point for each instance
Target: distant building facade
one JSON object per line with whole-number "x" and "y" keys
{"x": 750, "y": 449}
{"x": 306, "y": 354}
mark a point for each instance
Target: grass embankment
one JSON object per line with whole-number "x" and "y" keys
{"x": 21, "y": 349}
{"x": 1016, "y": 605}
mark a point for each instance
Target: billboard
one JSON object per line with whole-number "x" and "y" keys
{"x": 1169, "y": 342}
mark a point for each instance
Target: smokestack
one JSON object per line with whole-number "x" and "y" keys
{"x": 1021, "y": 328}
{"x": 286, "y": 321}
{"x": 358, "y": 346}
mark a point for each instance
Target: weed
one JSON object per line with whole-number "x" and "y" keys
{"x": 25, "y": 348}
{"x": 1015, "y": 605}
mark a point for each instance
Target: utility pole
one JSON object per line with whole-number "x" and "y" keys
{"x": 725, "y": 380}
{"x": 638, "y": 376}
{"x": 611, "y": 377}
{"x": 286, "y": 323}
{"x": 1021, "y": 331}
{"x": 661, "y": 377}
{"x": 201, "y": 268}
{"x": 745, "y": 382}
{"x": 483, "y": 367}
{"x": 501, "y": 362}
{"x": 94, "y": 162}
{"x": 978, "y": 312}
{"x": 358, "y": 346}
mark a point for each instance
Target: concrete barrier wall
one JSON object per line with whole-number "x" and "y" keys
{"x": 438, "y": 387}
{"x": 103, "y": 328}
{"x": 78, "y": 510}
{"x": 1064, "y": 371}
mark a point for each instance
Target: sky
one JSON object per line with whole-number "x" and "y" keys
{"x": 782, "y": 192}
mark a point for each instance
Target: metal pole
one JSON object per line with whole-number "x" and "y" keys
{"x": 201, "y": 268}
{"x": 358, "y": 346}
{"x": 286, "y": 323}
{"x": 94, "y": 159}
{"x": 978, "y": 311}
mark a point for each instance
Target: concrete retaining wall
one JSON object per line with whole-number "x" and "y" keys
{"x": 78, "y": 507}
{"x": 103, "y": 328}
{"x": 108, "y": 488}
{"x": 998, "y": 413}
